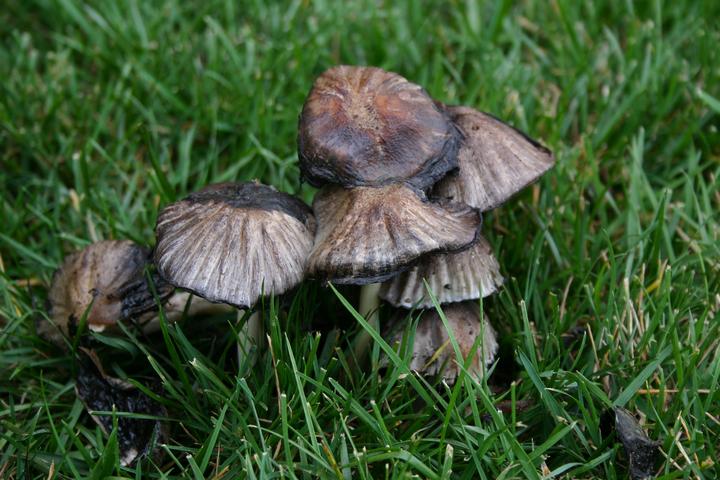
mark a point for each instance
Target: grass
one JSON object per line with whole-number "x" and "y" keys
{"x": 110, "y": 110}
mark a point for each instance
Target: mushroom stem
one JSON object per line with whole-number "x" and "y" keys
{"x": 368, "y": 308}
{"x": 249, "y": 338}
{"x": 174, "y": 310}
{"x": 175, "y": 306}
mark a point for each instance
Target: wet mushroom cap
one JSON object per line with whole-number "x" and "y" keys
{"x": 452, "y": 277}
{"x": 234, "y": 242}
{"x": 367, "y": 235}
{"x": 495, "y": 161}
{"x": 432, "y": 351}
{"x": 363, "y": 126}
{"x": 110, "y": 276}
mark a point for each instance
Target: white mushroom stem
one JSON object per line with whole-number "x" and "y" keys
{"x": 368, "y": 308}
{"x": 175, "y": 306}
{"x": 174, "y": 310}
{"x": 249, "y": 339}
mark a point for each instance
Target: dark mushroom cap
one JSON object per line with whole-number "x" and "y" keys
{"x": 432, "y": 351}
{"x": 495, "y": 161}
{"x": 363, "y": 126}
{"x": 452, "y": 277}
{"x": 367, "y": 234}
{"x": 234, "y": 242}
{"x": 110, "y": 275}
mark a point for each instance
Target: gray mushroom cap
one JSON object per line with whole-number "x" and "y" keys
{"x": 367, "y": 235}
{"x": 432, "y": 351}
{"x": 495, "y": 161}
{"x": 106, "y": 279}
{"x": 452, "y": 277}
{"x": 235, "y": 242}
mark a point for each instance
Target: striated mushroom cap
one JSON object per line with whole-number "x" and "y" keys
{"x": 452, "y": 277}
{"x": 234, "y": 242}
{"x": 363, "y": 126}
{"x": 432, "y": 351}
{"x": 110, "y": 276}
{"x": 367, "y": 235}
{"x": 495, "y": 161}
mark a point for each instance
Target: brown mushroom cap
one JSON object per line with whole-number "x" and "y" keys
{"x": 363, "y": 126}
{"x": 234, "y": 242}
{"x": 432, "y": 351}
{"x": 495, "y": 161}
{"x": 367, "y": 234}
{"x": 110, "y": 275}
{"x": 452, "y": 277}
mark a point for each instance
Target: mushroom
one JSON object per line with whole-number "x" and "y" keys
{"x": 495, "y": 161}
{"x": 363, "y": 126}
{"x": 452, "y": 277}
{"x": 106, "y": 281}
{"x": 431, "y": 350}
{"x": 234, "y": 243}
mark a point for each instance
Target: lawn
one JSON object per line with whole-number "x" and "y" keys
{"x": 110, "y": 110}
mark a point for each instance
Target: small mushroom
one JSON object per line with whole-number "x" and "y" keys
{"x": 368, "y": 234}
{"x": 452, "y": 277}
{"x": 107, "y": 280}
{"x": 432, "y": 350}
{"x": 363, "y": 126}
{"x": 495, "y": 161}
{"x": 234, "y": 243}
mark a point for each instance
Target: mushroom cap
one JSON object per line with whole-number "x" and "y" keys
{"x": 110, "y": 275}
{"x": 367, "y": 235}
{"x": 363, "y": 126}
{"x": 234, "y": 242}
{"x": 495, "y": 161}
{"x": 452, "y": 277}
{"x": 432, "y": 351}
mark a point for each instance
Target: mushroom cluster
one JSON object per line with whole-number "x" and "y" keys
{"x": 403, "y": 182}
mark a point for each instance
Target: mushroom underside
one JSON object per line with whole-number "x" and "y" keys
{"x": 495, "y": 161}
{"x": 366, "y": 234}
{"x": 233, "y": 250}
{"x": 451, "y": 277}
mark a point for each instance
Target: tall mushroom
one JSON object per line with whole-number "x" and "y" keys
{"x": 234, "y": 243}
{"x": 106, "y": 281}
{"x": 376, "y": 143}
